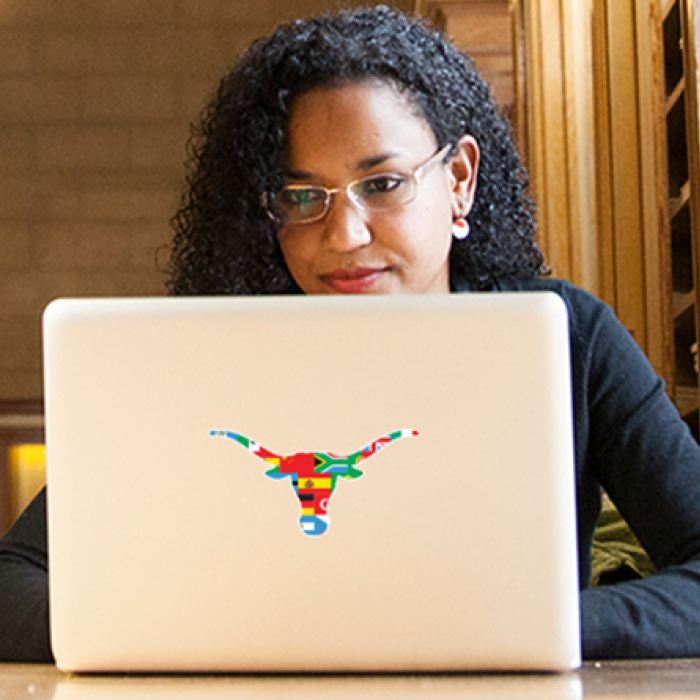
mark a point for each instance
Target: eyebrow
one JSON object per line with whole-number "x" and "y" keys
{"x": 365, "y": 164}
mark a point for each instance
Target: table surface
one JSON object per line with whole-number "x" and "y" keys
{"x": 634, "y": 679}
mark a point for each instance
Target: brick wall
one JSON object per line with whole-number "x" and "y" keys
{"x": 96, "y": 98}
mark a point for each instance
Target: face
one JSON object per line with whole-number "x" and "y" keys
{"x": 339, "y": 135}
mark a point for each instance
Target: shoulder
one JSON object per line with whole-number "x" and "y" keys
{"x": 594, "y": 329}
{"x": 586, "y": 311}
{"x": 575, "y": 296}
{"x": 565, "y": 289}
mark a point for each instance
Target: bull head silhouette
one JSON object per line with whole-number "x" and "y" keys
{"x": 314, "y": 474}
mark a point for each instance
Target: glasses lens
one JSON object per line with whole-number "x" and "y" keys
{"x": 302, "y": 203}
{"x": 384, "y": 191}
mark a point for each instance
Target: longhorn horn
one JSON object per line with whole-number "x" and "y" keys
{"x": 255, "y": 448}
{"x": 379, "y": 443}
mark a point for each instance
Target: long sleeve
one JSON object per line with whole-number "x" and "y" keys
{"x": 24, "y": 619}
{"x": 644, "y": 456}
{"x": 631, "y": 442}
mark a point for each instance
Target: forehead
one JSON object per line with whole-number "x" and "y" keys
{"x": 354, "y": 122}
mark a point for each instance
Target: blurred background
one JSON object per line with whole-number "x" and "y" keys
{"x": 96, "y": 98}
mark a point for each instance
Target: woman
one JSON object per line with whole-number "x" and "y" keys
{"x": 360, "y": 153}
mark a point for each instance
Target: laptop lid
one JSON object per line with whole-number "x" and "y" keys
{"x": 311, "y": 483}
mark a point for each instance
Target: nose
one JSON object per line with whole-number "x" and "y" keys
{"x": 345, "y": 227}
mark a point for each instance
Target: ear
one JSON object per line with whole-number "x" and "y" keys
{"x": 463, "y": 169}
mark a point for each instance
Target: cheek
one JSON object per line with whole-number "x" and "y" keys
{"x": 299, "y": 255}
{"x": 428, "y": 232}
{"x": 292, "y": 246}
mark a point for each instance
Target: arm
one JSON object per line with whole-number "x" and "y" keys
{"x": 631, "y": 441}
{"x": 24, "y": 617}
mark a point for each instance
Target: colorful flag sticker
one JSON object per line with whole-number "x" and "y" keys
{"x": 314, "y": 474}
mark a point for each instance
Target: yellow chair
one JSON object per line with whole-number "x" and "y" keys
{"x": 26, "y": 476}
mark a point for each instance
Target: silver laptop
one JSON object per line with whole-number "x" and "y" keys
{"x": 311, "y": 484}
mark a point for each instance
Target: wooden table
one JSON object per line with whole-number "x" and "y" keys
{"x": 630, "y": 680}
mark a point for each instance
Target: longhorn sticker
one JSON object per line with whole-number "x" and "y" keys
{"x": 314, "y": 474}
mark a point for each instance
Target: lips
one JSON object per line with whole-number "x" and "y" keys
{"x": 353, "y": 281}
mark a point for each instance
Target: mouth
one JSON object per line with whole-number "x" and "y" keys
{"x": 356, "y": 280}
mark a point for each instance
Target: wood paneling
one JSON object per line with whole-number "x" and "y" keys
{"x": 619, "y": 166}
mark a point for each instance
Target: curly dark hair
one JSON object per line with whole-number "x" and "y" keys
{"x": 225, "y": 243}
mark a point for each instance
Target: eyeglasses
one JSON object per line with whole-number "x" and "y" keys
{"x": 304, "y": 204}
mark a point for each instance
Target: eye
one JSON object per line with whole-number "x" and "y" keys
{"x": 301, "y": 197}
{"x": 383, "y": 184}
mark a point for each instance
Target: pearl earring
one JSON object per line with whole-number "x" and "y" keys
{"x": 460, "y": 229}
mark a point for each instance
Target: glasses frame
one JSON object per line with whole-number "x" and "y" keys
{"x": 417, "y": 174}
